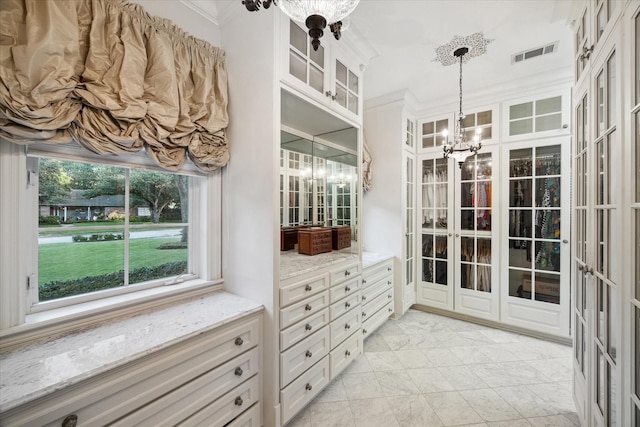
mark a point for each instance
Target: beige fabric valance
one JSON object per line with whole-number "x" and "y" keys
{"x": 114, "y": 79}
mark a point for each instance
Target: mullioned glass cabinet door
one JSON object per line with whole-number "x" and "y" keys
{"x": 534, "y": 223}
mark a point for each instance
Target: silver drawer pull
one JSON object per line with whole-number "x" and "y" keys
{"x": 308, "y": 387}
{"x": 308, "y": 354}
{"x": 238, "y": 401}
{"x": 364, "y": 331}
{"x": 307, "y": 307}
{"x": 347, "y": 326}
{"x": 364, "y": 298}
{"x": 347, "y": 353}
{"x": 347, "y": 273}
{"x": 307, "y": 288}
{"x": 390, "y": 309}
{"x": 347, "y": 305}
{"x": 239, "y": 341}
{"x": 70, "y": 421}
{"x": 307, "y": 327}
{"x": 364, "y": 314}
{"x": 238, "y": 372}
{"x": 364, "y": 282}
{"x": 347, "y": 289}
{"x": 388, "y": 268}
{"x": 388, "y": 282}
{"x": 389, "y": 297}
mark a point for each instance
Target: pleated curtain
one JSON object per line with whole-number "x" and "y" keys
{"x": 105, "y": 74}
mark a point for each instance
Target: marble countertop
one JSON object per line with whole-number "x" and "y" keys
{"x": 371, "y": 258}
{"x": 38, "y": 368}
{"x": 292, "y": 263}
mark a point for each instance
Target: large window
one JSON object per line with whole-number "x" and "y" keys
{"x": 103, "y": 227}
{"x": 93, "y": 228}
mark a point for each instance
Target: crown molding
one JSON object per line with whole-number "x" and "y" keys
{"x": 206, "y": 9}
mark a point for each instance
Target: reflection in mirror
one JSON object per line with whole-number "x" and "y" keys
{"x": 318, "y": 183}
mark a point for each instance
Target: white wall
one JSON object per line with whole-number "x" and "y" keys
{"x": 382, "y": 209}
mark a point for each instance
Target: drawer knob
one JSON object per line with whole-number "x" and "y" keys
{"x": 364, "y": 331}
{"x": 364, "y": 282}
{"x": 347, "y": 273}
{"x": 347, "y": 353}
{"x": 347, "y": 289}
{"x": 238, "y": 401}
{"x": 307, "y": 327}
{"x": 308, "y": 387}
{"x": 390, "y": 309}
{"x": 239, "y": 341}
{"x": 388, "y": 268}
{"x": 364, "y": 314}
{"x": 307, "y": 307}
{"x": 364, "y": 298}
{"x": 388, "y": 282}
{"x": 347, "y": 326}
{"x": 347, "y": 305}
{"x": 238, "y": 371}
{"x": 308, "y": 354}
{"x": 70, "y": 421}
{"x": 389, "y": 297}
{"x": 307, "y": 288}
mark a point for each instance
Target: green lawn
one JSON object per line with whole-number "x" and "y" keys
{"x": 67, "y": 261}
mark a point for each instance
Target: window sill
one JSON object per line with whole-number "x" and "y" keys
{"x": 78, "y": 316}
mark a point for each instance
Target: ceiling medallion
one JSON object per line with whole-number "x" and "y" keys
{"x": 475, "y": 43}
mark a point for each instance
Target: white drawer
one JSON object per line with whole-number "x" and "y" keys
{"x": 301, "y": 330}
{"x": 301, "y": 391}
{"x": 190, "y": 398}
{"x": 345, "y": 273}
{"x": 376, "y": 304}
{"x": 345, "y": 353}
{"x": 249, "y": 418}
{"x": 345, "y": 326}
{"x": 298, "y": 291}
{"x": 108, "y": 397}
{"x": 372, "y": 322}
{"x": 344, "y": 289}
{"x": 341, "y": 307}
{"x": 303, "y": 309}
{"x": 370, "y": 292}
{"x": 228, "y": 407}
{"x": 303, "y": 355}
{"x": 377, "y": 271}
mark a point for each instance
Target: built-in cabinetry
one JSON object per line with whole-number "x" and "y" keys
{"x": 328, "y": 75}
{"x": 377, "y": 292}
{"x": 605, "y": 275}
{"x": 120, "y": 375}
{"x": 320, "y": 330}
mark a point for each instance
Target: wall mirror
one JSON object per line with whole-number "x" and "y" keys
{"x": 318, "y": 170}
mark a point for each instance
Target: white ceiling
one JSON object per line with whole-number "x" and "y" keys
{"x": 398, "y": 39}
{"x": 404, "y": 36}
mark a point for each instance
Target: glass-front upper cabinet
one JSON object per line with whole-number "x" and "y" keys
{"x": 330, "y": 75}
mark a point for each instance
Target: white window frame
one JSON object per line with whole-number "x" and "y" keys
{"x": 18, "y": 248}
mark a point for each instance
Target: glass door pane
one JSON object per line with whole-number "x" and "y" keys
{"x": 434, "y": 219}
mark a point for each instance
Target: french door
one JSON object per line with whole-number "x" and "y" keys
{"x": 458, "y": 268}
{"x": 597, "y": 255}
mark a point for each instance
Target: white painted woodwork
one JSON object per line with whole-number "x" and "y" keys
{"x": 344, "y": 326}
{"x": 297, "y": 291}
{"x": 342, "y": 355}
{"x": 303, "y": 329}
{"x": 344, "y": 289}
{"x": 303, "y": 355}
{"x": 300, "y": 392}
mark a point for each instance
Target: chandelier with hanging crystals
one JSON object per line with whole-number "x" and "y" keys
{"x": 315, "y": 14}
{"x": 460, "y": 148}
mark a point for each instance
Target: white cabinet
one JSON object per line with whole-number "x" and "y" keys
{"x": 329, "y": 75}
{"x": 320, "y": 332}
{"x": 377, "y": 295}
{"x": 214, "y": 374}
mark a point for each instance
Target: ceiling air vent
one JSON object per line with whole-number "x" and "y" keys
{"x": 532, "y": 53}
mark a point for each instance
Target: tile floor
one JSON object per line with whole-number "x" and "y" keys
{"x": 426, "y": 370}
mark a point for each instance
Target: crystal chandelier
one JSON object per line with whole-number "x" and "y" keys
{"x": 460, "y": 148}
{"x": 316, "y": 14}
